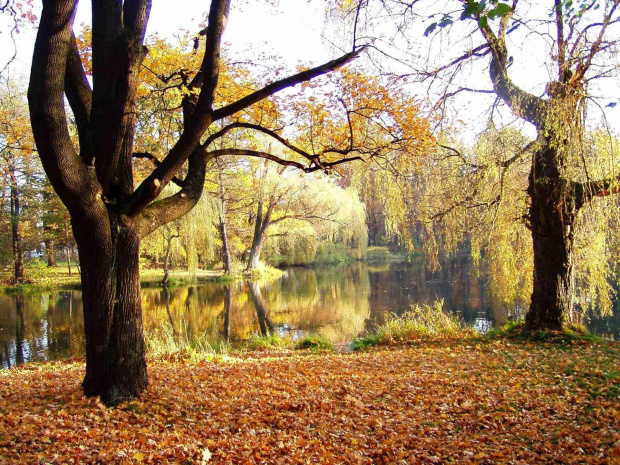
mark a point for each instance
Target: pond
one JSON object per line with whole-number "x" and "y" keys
{"x": 338, "y": 303}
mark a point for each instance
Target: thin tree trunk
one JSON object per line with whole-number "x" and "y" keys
{"x": 16, "y": 232}
{"x": 222, "y": 228}
{"x": 67, "y": 246}
{"x": 167, "y": 259}
{"x": 262, "y": 223}
{"x": 51, "y": 257}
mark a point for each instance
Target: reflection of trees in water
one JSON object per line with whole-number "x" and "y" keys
{"x": 191, "y": 311}
{"x": 227, "y": 310}
{"x": 37, "y": 325}
{"x": 266, "y": 327}
{"x": 461, "y": 284}
{"x": 333, "y": 302}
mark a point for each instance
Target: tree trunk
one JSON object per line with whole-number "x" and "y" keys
{"x": 553, "y": 213}
{"x": 260, "y": 228}
{"x": 167, "y": 259}
{"x": 67, "y": 245}
{"x": 49, "y": 248}
{"x": 222, "y": 227}
{"x": 115, "y": 349}
{"x": 16, "y": 232}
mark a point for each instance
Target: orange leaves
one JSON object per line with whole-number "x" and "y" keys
{"x": 492, "y": 403}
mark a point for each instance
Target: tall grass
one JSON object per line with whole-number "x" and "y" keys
{"x": 422, "y": 322}
{"x": 164, "y": 343}
{"x": 268, "y": 342}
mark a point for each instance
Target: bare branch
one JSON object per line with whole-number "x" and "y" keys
{"x": 284, "y": 83}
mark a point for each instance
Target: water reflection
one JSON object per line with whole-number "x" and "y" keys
{"x": 38, "y": 327}
{"x": 337, "y": 303}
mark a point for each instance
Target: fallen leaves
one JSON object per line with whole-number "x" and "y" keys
{"x": 478, "y": 404}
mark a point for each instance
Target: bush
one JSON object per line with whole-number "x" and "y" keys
{"x": 315, "y": 343}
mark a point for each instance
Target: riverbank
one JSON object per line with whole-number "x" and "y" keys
{"x": 46, "y": 278}
{"x": 460, "y": 401}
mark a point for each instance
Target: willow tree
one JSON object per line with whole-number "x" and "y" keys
{"x": 109, "y": 214}
{"x": 576, "y": 42}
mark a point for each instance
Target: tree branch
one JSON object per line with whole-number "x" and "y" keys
{"x": 523, "y": 104}
{"x": 156, "y": 162}
{"x": 79, "y": 95}
{"x": 179, "y": 204}
{"x": 284, "y": 83}
{"x": 66, "y": 171}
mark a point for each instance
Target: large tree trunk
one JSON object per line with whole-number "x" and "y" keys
{"x": 115, "y": 349}
{"x": 553, "y": 213}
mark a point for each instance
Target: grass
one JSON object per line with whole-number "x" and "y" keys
{"x": 515, "y": 329}
{"x": 164, "y": 343}
{"x": 315, "y": 343}
{"x": 263, "y": 272}
{"x": 422, "y": 322}
{"x": 381, "y": 255}
{"x": 268, "y": 342}
{"x": 40, "y": 277}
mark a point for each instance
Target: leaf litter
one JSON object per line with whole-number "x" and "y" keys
{"x": 451, "y": 402}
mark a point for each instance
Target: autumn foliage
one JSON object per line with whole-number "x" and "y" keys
{"x": 458, "y": 402}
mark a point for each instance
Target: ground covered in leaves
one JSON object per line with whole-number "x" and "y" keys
{"x": 459, "y": 402}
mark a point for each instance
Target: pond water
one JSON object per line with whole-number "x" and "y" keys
{"x": 338, "y": 303}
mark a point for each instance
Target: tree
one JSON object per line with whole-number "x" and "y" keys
{"x": 109, "y": 214}
{"x": 18, "y": 169}
{"x": 578, "y": 43}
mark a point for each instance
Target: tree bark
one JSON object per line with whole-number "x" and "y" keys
{"x": 115, "y": 349}
{"x": 553, "y": 212}
{"x": 51, "y": 257}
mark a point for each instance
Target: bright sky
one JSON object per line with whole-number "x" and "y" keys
{"x": 291, "y": 30}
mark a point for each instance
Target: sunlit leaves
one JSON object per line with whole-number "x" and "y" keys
{"x": 467, "y": 403}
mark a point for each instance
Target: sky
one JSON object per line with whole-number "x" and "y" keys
{"x": 292, "y": 32}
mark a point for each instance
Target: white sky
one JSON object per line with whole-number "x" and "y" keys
{"x": 292, "y": 31}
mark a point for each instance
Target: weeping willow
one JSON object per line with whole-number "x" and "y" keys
{"x": 475, "y": 198}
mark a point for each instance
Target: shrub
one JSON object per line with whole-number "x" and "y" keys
{"x": 315, "y": 343}
{"x": 420, "y": 323}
